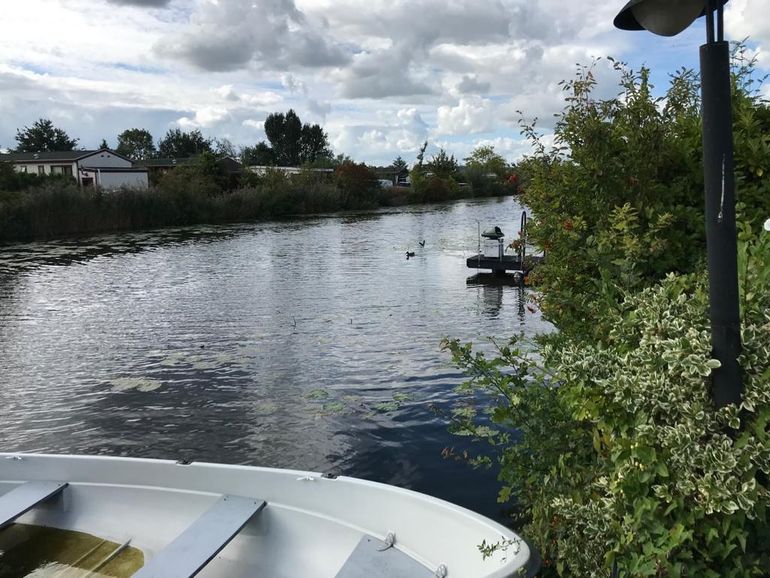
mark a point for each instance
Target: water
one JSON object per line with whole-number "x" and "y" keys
{"x": 41, "y": 552}
{"x": 312, "y": 344}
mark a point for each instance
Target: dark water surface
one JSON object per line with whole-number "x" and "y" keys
{"x": 311, "y": 344}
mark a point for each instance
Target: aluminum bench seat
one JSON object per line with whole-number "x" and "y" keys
{"x": 23, "y": 498}
{"x": 373, "y": 558}
{"x": 203, "y": 539}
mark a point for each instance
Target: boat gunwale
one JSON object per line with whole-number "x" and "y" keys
{"x": 205, "y": 485}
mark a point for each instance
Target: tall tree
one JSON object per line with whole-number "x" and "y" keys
{"x": 104, "y": 144}
{"x": 136, "y": 144}
{"x": 314, "y": 144}
{"x": 294, "y": 143}
{"x": 421, "y": 155}
{"x": 178, "y": 144}
{"x": 43, "y": 136}
{"x": 284, "y": 132}
{"x": 259, "y": 155}
{"x": 340, "y": 160}
{"x": 223, "y": 147}
{"x": 443, "y": 165}
{"x": 485, "y": 160}
{"x": 400, "y": 165}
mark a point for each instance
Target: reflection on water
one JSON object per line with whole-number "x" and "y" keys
{"x": 312, "y": 344}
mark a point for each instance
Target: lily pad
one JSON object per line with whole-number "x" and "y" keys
{"x": 173, "y": 360}
{"x": 203, "y": 364}
{"x": 265, "y": 408}
{"x": 317, "y": 394}
{"x": 386, "y": 406}
{"x": 334, "y": 407}
{"x": 144, "y": 384}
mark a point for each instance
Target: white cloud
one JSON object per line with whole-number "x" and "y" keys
{"x": 254, "y": 123}
{"x": 263, "y": 99}
{"x": 318, "y": 109}
{"x": 470, "y": 83}
{"x": 744, "y": 19}
{"x": 380, "y": 136}
{"x": 236, "y": 34}
{"x": 293, "y": 83}
{"x": 410, "y": 116}
{"x": 472, "y": 114}
{"x": 141, "y": 3}
{"x": 226, "y": 91}
{"x": 206, "y": 117}
{"x": 381, "y": 76}
{"x": 748, "y": 19}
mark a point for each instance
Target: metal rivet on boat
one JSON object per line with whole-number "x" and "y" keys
{"x": 441, "y": 571}
{"x": 329, "y": 476}
{"x": 183, "y": 462}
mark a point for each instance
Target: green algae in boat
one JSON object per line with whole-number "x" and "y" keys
{"x": 41, "y": 552}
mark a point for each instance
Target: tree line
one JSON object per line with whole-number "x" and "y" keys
{"x": 289, "y": 143}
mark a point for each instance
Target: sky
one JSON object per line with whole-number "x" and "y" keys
{"x": 381, "y": 76}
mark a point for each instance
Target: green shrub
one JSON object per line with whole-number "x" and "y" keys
{"x": 751, "y": 129}
{"x": 618, "y": 201}
{"x": 358, "y": 186}
{"x": 45, "y": 208}
{"x": 614, "y": 452}
{"x": 485, "y": 184}
{"x": 12, "y": 181}
{"x": 608, "y": 441}
{"x": 434, "y": 188}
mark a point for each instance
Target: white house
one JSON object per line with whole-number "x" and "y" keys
{"x": 103, "y": 168}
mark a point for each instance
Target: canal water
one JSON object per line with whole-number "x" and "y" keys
{"x": 311, "y": 344}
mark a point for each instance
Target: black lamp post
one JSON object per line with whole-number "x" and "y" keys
{"x": 668, "y": 18}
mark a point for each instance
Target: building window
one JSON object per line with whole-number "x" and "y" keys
{"x": 23, "y": 169}
{"x": 61, "y": 170}
{"x": 41, "y": 169}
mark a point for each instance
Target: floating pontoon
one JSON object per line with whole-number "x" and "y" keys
{"x": 492, "y": 255}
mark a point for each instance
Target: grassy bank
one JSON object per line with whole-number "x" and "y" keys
{"x": 55, "y": 210}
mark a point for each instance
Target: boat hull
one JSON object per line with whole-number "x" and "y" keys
{"x": 310, "y": 526}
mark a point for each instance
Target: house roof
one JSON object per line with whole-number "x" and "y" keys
{"x": 55, "y": 156}
{"x": 68, "y": 156}
{"x": 112, "y": 170}
{"x": 231, "y": 165}
{"x": 389, "y": 170}
{"x": 288, "y": 170}
{"x": 163, "y": 163}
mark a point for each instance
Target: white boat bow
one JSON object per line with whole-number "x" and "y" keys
{"x": 239, "y": 521}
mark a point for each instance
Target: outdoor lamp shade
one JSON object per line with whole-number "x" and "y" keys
{"x": 663, "y": 17}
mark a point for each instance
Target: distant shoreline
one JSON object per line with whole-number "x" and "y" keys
{"x": 57, "y": 212}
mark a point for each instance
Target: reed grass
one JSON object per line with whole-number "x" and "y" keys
{"x": 56, "y": 210}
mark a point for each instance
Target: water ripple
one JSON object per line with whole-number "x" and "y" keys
{"x": 310, "y": 345}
